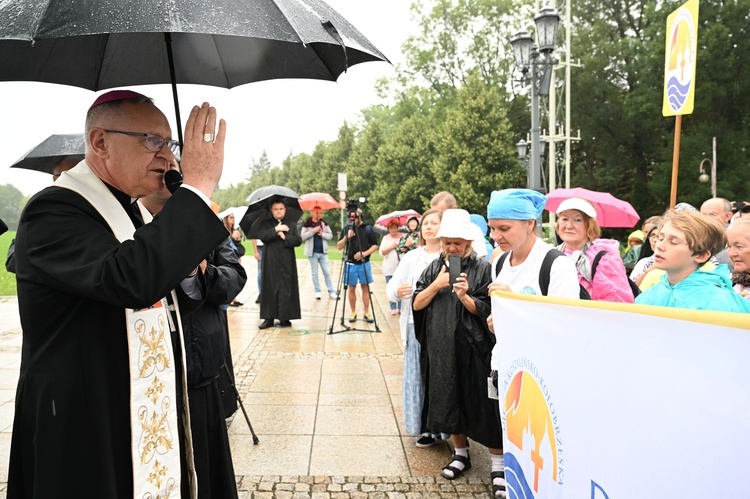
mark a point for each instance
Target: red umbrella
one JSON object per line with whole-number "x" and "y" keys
{"x": 322, "y": 199}
{"x": 610, "y": 211}
{"x": 400, "y": 217}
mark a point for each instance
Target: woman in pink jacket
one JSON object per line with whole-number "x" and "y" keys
{"x": 600, "y": 268}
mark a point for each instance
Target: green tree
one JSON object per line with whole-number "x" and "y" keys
{"x": 476, "y": 152}
{"x": 259, "y": 166}
{"x": 404, "y": 171}
{"x": 11, "y": 205}
{"x": 461, "y": 37}
{"x": 627, "y": 145}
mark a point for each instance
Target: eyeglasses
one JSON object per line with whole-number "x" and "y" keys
{"x": 154, "y": 143}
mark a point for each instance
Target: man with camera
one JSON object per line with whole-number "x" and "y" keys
{"x": 361, "y": 242}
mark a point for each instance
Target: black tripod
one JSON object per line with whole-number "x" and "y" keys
{"x": 343, "y": 283}
{"x": 239, "y": 401}
{"x": 226, "y": 377}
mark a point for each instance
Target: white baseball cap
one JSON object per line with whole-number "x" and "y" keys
{"x": 579, "y": 204}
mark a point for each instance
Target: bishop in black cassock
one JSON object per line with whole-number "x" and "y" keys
{"x": 72, "y": 427}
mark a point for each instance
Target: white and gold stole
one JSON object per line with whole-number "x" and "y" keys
{"x": 155, "y": 446}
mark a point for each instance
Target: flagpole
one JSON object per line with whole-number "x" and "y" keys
{"x": 675, "y": 160}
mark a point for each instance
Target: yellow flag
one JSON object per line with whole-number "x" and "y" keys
{"x": 680, "y": 60}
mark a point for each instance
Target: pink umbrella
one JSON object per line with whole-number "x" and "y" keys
{"x": 610, "y": 211}
{"x": 322, "y": 199}
{"x": 400, "y": 217}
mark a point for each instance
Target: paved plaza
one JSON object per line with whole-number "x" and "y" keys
{"x": 326, "y": 407}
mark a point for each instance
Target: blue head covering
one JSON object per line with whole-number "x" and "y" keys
{"x": 479, "y": 221}
{"x": 516, "y": 204}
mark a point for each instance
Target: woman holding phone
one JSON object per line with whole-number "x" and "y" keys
{"x": 450, "y": 324}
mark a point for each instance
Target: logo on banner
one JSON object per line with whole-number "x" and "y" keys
{"x": 533, "y": 453}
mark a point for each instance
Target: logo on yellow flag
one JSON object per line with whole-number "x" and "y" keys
{"x": 680, "y": 60}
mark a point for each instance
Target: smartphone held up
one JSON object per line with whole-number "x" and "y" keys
{"x": 454, "y": 268}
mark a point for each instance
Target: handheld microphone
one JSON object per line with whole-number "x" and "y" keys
{"x": 173, "y": 180}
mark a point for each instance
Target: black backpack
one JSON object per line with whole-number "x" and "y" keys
{"x": 545, "y": 269}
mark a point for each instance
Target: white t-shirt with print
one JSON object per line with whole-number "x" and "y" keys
{"x": 524, "y": 278}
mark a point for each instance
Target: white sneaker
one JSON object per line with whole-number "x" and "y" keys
{"x": 317, "y": 295}
{"x": 332, "y": 295}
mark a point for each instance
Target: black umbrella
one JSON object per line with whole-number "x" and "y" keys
{"x": 259, "y": 204}
{"x": 224, "y": 43}
{"x": 47, "y": 154}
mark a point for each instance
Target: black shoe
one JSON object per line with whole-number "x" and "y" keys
{"x": 235, "y": 303}
{"x": 428, "y": 441}
{"x": 285, "y": 324}
{"x": 257, "y": 300}
{"x": 266, "y": 324}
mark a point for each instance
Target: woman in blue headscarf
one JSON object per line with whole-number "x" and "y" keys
{"x": 512, "y": 215}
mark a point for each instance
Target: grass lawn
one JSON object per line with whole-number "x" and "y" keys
{"x": 7, "y": 279}
{"x": 334, "y": 254}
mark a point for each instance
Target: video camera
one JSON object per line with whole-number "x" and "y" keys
{"x": 352, "y": 210}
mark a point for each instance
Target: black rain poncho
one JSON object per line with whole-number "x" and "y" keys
{"x": 455, "y": 356}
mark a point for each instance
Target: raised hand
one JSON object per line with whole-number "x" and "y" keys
{"x": 202, "y": 158}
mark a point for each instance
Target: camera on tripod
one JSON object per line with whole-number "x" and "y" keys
{"x": 352, "y": 210}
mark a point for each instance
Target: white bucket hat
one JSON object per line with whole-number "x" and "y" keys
{"x": 579, "y": 204}
{"x": 456, "y": 224}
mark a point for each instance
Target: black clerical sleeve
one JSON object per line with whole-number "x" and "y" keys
{"x": 224, "y": 275}
{"x": 267, "y": 231}
{"x": 292, "y": 237}
{"x": 69, "y": 246}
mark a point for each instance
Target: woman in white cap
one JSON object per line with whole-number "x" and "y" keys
{"x": 600, "y": 269}
{"x": 450, "y": 324}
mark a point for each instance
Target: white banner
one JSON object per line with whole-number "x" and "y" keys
{"x": 602, "y": 400}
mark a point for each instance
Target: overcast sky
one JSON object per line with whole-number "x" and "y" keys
{"x": 278, "y": 116}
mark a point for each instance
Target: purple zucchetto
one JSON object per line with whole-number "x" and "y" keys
{"x": 115, "y": 95}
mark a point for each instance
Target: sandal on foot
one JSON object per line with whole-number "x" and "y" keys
{"x": 499, "y": 489}
{"x": 456, "y": 472}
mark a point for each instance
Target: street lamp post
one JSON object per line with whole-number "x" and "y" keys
{"x": 535, "y": 64}
{"x": 703, "y": 178}
{"x": 522, "y": 148}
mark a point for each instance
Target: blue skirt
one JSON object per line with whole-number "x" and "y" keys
{"x": 412, "y": 387}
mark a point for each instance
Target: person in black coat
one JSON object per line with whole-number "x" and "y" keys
{"x": 72, "y": 431}
{"x": 450, "y": 323}
{"x": 206, "y": 348}
{"x": 280, "y": 297}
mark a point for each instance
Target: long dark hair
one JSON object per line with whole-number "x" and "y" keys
{"x": 646, "y": 249}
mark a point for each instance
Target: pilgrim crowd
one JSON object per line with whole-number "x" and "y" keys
{"x": 118, "y": 386}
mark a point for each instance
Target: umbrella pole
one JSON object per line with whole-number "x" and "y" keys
{"x": 170, "y": 58}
